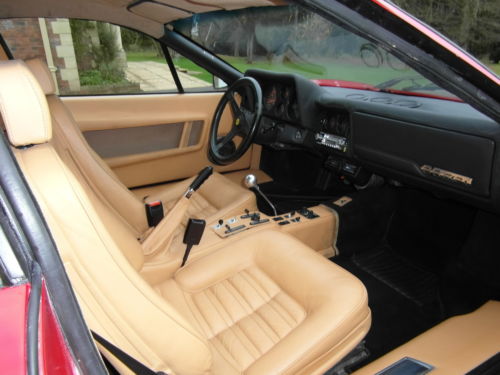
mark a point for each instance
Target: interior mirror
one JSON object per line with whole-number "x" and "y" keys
{"x": 219, "y": 83}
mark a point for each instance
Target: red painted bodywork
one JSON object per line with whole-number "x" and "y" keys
{"x": 13, "y": 314}
{"x": 54, "y": 355}
{"x": 345, "y": 84}
{"x": 365, "y": 86}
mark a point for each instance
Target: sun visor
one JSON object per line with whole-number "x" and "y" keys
{"x": 165, "y": 11}
{"x": 158, "y": 12}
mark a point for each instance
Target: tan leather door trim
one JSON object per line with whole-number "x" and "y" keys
{"x": 126, "y": 111}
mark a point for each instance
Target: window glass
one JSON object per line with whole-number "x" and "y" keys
{"x": 192, "y": 76}
{"x": 295, "y": 40}
{"x": 473, "y": 24}
{"x": 92, "y": 58}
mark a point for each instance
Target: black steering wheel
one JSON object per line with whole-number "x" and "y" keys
{"x": 246, "y": 110}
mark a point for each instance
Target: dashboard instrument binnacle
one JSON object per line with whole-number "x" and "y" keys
{"x": 440, "y": 145}
{"x": 280, "y": 102}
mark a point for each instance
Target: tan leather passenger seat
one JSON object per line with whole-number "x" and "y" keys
{"x": 266, "y": 304}
{"x": 218, "y": 197}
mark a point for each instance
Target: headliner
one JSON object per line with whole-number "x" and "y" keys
{"x": 147, "y": 16}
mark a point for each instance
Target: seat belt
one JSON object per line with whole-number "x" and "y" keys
{"x": 133, "y": 364}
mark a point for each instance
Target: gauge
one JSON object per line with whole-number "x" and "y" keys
{"x": 343, "y": 124}
{"x": 280, "y": 109}
{"x": 332, "y": 124}
{"x": 270, "y": 97}
{"x": 293, "y": 110}
{"x": 323, "y": 121}
{"x": 288, "y": 93}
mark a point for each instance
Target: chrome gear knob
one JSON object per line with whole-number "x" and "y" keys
{"x": 250, "y": 181}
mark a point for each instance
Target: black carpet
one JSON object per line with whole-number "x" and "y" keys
{"x": 411, "y": 281}
{"x": 422, "y": 259}
{"x": 395, "y": 317}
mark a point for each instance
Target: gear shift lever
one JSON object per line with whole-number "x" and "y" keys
{"x": 251, "y": 183}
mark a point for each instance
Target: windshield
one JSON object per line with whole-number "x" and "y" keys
{"x": 292, "y": 39}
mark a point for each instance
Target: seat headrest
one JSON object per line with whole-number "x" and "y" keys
{"x": 43, "y": 75}
{"x": 23, "y": 105}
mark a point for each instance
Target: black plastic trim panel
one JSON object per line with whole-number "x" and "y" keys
{"x": 408, "y": 146}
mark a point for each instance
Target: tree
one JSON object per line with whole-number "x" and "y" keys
{"x": 473, "y": 24}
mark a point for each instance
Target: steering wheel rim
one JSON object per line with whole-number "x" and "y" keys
{"x": 245, "y": 119}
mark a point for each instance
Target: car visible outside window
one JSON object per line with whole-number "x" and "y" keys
{"x": 92, "y": 58}
{"x": 293, "y": 39}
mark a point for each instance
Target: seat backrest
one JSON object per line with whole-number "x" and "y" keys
{"x": 99, "y": 176}
{"x": 116, "y": 302}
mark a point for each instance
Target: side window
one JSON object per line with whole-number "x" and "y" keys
{"x": 93, "y": 58}
{"x": 193, "y": 77}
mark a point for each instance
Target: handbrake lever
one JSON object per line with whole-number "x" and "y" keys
{"x": 199, "y": 180}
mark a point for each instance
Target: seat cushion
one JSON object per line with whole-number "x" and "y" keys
{"x": 270, "y": 305}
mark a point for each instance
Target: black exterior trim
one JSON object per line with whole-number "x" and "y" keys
{"x": 17, "y": 243}
{"x": 33, "y": 319}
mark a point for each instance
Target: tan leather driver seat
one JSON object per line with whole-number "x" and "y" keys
{"x": 218, "y": 197}
{"x": 264, "y": 304}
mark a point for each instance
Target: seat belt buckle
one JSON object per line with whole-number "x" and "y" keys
{"x": 154, "y": 213}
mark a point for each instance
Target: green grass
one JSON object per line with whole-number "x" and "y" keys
{"x": 326, "y": 69}
{"x": 494, "y": 67}
{"x": 196, "y": 71}
{"x": 329, "y": 69}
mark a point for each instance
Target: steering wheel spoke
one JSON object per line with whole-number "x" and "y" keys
{"x": 235, "y": 108}
{"x": 227, "y": 138}
{"x": 246, "y": 115}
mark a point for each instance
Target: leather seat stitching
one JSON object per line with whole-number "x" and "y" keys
{"x": 267, "y": 303}
{"x": 232, "y": 360}
{"x": 237, "y": 326}
{"x": 259, "y": 313}
{"x": 237, "y": 321}
{"x": 275, "y": 301}
{"x": 252, "y": 312}
{"x": 206, "y": 293}
{"x": 192, "y": 302}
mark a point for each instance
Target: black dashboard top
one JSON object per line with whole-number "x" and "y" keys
{"x": 440, "y": 145}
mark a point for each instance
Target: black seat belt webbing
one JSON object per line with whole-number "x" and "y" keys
{"x": 133, "y": 364}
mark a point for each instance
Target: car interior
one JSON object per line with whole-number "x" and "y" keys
{"x": 343, "y": 231}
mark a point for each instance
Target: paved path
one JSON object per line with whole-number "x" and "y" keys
{"x": 155, "y": 76}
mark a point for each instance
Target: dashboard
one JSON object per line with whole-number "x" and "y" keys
{"x": 280, "y": 101}
{"x": 441, "y": 145}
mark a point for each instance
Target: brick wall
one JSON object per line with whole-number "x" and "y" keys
{"x": 24, "y": 38}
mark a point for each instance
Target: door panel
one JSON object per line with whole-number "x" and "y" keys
{"x": 148, "y": 139}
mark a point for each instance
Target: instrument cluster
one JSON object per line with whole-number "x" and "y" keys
{"x": 280, "y": 101}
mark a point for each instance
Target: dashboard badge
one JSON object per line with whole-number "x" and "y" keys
{"x": 442, "y": 173}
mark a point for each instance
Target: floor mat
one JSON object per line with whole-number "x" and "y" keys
{"x": 418, "y": 285}
{"x": 395, "y": 318}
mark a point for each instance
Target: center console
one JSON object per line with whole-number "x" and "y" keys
{"x": 315, "y": 226}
